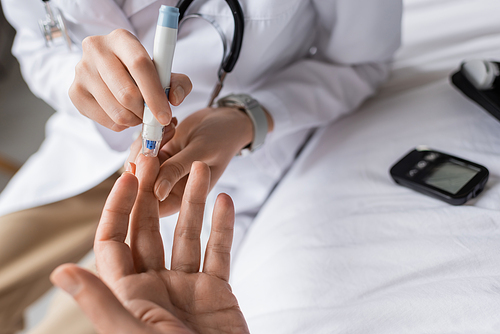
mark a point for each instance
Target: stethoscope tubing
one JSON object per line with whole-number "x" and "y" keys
{"x": 239, "y": 26}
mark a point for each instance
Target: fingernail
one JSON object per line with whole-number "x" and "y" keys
{"x": 164, "y": 118}
{"x": 131, "y": 168}
{"x": 66, "y": 281}
{"x": 179, "y": 94}
{"x": 162, "y": 190}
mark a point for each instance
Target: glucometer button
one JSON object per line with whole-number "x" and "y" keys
{"x": 431, "y": 156}
{"x": 412, "y": 172}
{"x": 422, "y": 164}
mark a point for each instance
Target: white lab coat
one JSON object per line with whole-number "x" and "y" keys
{"x": 307, "y": 62}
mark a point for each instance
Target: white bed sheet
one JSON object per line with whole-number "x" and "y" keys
{"x": 340, "y": 248}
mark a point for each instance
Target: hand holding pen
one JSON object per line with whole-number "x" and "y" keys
{"x": 116, "y": 73}
{"x": 114, "y": 79}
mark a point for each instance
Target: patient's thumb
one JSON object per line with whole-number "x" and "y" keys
{"x": 94, "y": 298}
{"x": 66, "y": 278}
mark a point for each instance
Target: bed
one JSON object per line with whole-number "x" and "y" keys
{"x": 340, "y": 248}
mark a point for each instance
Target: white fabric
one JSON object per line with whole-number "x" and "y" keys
{"x": 354, "y": 41}
{"x": 340, "y": 248}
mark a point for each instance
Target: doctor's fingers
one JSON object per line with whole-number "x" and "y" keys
{"x": 186, "y": 249}
{"x": 180, "y": 87}
{"x": 113, "y": 255}
{"x": 111, "y": 107}
{"x": 178, "y": 166}
{"x": 120, "y": 60}
{"x": 172, "y": 203}
{"x": 142, "y": 71}
{"x": 134, "y": 57}
{"x": 96, "y": 300}
{"x": 174, "y": 169}
{"x": 145, "y": 239}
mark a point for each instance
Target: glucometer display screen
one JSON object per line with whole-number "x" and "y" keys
{"x": 450, "y": 177}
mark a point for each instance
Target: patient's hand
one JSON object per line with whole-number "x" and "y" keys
{"x": 211, "y": 135}
{"x": 143, "y": 296}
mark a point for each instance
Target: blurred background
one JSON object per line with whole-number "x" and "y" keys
{"x": 22, "y": 115}
{"x": 22, "y": 128}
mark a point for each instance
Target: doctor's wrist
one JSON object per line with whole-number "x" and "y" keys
{"x": 241, "y": 125}
{"x": 262, "y": 122}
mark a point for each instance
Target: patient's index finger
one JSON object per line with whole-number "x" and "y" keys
{"x": 113, "y": 256}
{"x": 145, "y": 239}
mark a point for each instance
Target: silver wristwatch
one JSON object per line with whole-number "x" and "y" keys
{"x": 253, "y": 109}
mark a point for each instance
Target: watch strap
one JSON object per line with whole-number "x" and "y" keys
{"x": 253, "y": 109}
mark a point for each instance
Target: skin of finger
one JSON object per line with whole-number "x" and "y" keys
{"x": 172, "y": 203}
{"x": 87, "y": 79}
{"x": 97, "y": 301}
{"x": 175, "y": 167}
{"x": 120, "y": 84}
{"x": 145, "y": 238}
{"x": 171, "y": 171}
{"x": 179, "y": 80}
{"x": 167, "y": 137}
{"x": 181, "y": 159}
{"x": 113, "y": 256}
{"x": 135, "y": 150}
{"x": 142, "y": 69}
{"x": 110, "y": 105}
{"x": 213, "y": 137}
{"x": 112, "y": 86}
{"x": 186, "y": 249}
{"x": 88, "y": 107}
{"x": 218, "y": 253}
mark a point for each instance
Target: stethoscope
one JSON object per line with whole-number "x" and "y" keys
{"x": 231, "y": 54}
{"x": 53, "y": 27}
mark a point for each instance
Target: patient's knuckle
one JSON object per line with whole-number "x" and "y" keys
{"x": 219, "y": 248}
{"x": 190, "y": 232}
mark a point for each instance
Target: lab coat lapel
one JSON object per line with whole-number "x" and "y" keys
{"x": 130, "y": 7}
{"x": 93, "y": 17}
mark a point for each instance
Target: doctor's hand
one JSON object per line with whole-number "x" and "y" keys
{"x": 211, "y": 135}
{"x": 116, "y": 76}
{"x": 135, "y": 293}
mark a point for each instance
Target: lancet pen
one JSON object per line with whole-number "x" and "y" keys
{"x": 163, "y": 54}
